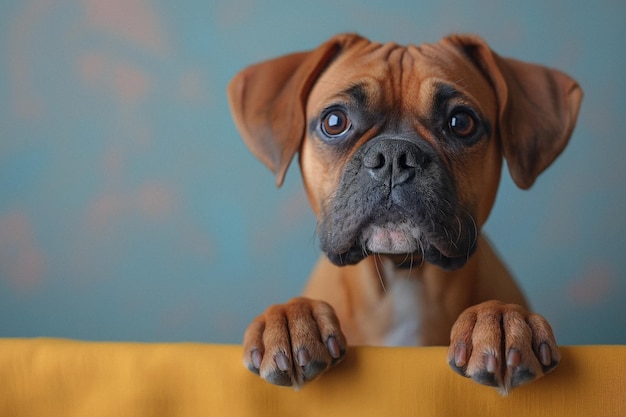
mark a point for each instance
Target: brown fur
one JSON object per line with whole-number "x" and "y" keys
{"x": 531, "y": 110}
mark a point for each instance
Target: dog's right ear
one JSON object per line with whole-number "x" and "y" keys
{"x": 268, "y": 102}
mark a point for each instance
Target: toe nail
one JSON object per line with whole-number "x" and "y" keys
{"x": 333, "y": 347}
{"x": 460, "y": 356}
{"x": 513, "y": 359}
{"x": 281, "y": 361}
{"x": 545, "y": 356}
{"x": 303, "y": 357}
{"x": 491, "y": 364}
{"x": 256, "y": 359}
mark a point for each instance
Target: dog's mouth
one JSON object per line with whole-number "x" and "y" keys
{"x": 407, "y": 245}
{"x": 437, "y": 234}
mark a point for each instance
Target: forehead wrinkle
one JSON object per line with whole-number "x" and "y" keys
{"x": 357, "y": 93}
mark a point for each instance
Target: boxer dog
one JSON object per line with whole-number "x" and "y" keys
{"x": 401, "y": 150}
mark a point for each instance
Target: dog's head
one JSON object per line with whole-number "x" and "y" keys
{"x": 400, "y": 147}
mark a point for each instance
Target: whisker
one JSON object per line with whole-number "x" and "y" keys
{"x": 475, "y": 226}
{"x": 410, "y": 265}
{"x": 380, "y": 276}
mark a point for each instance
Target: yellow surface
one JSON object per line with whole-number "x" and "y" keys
{"x": 49, "y": 377}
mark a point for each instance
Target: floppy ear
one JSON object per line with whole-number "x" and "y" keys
{"x": 268, "y": 102}
{"x": 538, "y": 107}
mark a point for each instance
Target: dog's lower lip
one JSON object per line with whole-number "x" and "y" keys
{"x": 391, "y": 240}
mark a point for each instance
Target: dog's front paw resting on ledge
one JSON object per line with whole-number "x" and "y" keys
{"x": 293, "y": 343}
{"x": 502, "y": 345}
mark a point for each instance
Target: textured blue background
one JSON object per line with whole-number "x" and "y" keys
{"x": 131, "y": 210}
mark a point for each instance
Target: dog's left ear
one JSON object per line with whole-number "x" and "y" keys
{"x": 538, "y": 107}
{"x": 268, "y": 102}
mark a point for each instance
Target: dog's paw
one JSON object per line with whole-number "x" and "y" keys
{"x": 293, "y": 343}
{"x": 502, "y": 345}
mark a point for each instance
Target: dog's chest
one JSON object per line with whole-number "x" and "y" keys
{"x": 403, "y": 305}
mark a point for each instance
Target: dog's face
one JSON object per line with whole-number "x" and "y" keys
{"x": 413, "y": 173}
{"x": 401, "y": 147}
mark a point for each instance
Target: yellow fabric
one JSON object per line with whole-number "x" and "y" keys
{"x": 49, "y": 377}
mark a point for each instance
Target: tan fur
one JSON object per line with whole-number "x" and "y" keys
{"x": 532, "y": 111}
{"x": 359, "y": 299}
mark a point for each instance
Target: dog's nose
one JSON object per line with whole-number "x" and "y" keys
{"x": 393, "y": 160}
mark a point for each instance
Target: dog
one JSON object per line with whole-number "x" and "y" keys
{"x": 401, "y": 151}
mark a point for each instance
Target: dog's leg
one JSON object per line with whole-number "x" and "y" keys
{"x": 502, "y": 345}
{"x": 293, "y": 343}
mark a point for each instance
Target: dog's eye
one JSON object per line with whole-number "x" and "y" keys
{"x": 462, "y": 124}
{"x": 335, "y": 123}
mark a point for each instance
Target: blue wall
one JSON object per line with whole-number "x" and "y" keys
{"x": 131, "y": 210}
